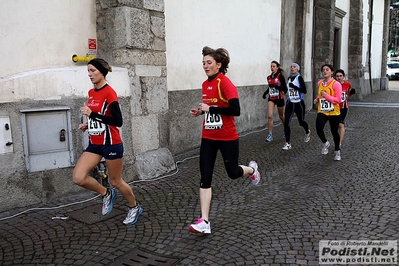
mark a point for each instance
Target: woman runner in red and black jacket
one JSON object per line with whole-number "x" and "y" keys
{"x": 104, "y": 118}
{"x": 277, "y": 89}
{"x": 347, "y": 91}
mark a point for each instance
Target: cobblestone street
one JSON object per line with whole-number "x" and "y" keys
{"x": 303, "y": 197}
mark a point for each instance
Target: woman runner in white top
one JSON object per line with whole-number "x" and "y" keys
{"x": 295, "y": 104}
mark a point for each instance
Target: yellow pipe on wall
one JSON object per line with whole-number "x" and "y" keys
{"x": 87, "y": 58}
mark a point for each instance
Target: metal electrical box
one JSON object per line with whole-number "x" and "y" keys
{"x": 6, "y": 145}
{"x": 47, "y": 138}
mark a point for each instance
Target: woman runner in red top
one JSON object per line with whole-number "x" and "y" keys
{"x": 103, "y": 119}
{"x": 277, "y": 89}
{"x": 219, "y": 106}
{"x": 347, "y": 91}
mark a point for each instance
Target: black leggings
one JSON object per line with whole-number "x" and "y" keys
{"x": 344, "y": 114}
{"x": 321, "y": 120}
{"x": 299, "y": 110}
{"x": 208, "y": 151}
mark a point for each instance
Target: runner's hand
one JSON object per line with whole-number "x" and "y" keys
{"x": 265, "y": 93}
{"x": 85, "y": 110}
{"x": 83, "y": 127}
{"x": 195, "y": 112}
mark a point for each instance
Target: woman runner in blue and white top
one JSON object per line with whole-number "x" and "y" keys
{"x": 295, "y": 104}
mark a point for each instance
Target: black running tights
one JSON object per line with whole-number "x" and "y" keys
{"x": 299, "y": 110}
{"x": 208, "y": 151}
{"x": 321, "y": 120}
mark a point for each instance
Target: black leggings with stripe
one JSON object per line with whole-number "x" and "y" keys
{"x": 299, "y": 110}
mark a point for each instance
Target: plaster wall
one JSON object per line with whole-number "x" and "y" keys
{"x": 39, "y": 47}
{"x": 57, "y": 83}
{"x": 40, "y": 34}
{"x": 249, "y": 31}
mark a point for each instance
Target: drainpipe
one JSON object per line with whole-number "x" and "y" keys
{"x": 369, "y": 44}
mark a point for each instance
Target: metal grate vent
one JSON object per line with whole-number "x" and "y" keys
{"x": 92, "y": 214}
{"x": 139, "y": 257}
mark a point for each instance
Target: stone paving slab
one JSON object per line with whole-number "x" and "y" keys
{"x": 303, "y": 197}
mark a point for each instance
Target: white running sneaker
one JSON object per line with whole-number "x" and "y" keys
{"x": 307, "y": 137}
{"x": 255, "y": 177}
{"x": 108, "y": 201}
{"x": 133, "y": 214}
{"x": 324, "y": 150}
{"x": 286, "y": 147}
{"x": 269, "y": 137}
{"x": 200, "y": 227}
{"x": 337, "y": 155}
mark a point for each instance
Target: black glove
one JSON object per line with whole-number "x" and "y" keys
{"x": 352, "y": 91}
{"x": 265, "y": 93}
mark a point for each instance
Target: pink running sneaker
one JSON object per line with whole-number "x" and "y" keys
{"x": 200, "y": 227}
{"x": 255, "y": 177}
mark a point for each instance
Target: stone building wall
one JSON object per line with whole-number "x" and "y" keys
{"x": 355, "y": 68}
{"x": 324, "y": 34}
{"x": 131, "y": 34}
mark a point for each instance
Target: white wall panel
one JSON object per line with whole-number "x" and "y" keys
{"x": 38, "y": 34}
{"x": 39, "y": 38}
{"x": 377, "y": 38}
{"x": 250, "y": 31}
